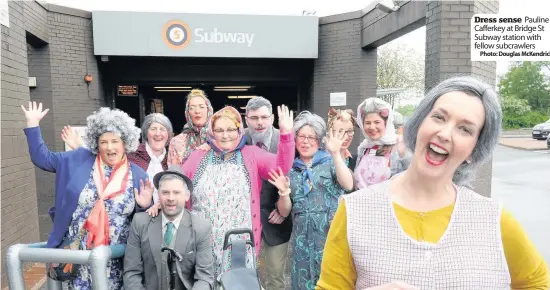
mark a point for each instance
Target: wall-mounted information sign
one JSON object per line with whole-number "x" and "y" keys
{"x": 127, "y": 91}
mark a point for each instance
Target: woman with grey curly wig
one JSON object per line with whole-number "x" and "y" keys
{"x": 424, "y": 226}
{"x": 319, "y": 176}
{"x": 97, "y": 189}
{"x": 151, "y": 155}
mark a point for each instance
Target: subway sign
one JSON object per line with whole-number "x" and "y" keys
{"x": 178, "y": 34}
{"x": 155, "y": 34}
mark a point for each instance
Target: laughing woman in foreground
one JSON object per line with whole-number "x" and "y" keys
{"x": 424, "y": 229}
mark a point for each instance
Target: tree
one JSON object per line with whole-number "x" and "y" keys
{"x": 526, "y": 81}
{"x": 400, "y": 67}
{"x": 406, "y": 110}
{"x": 545, "y": 68}
{"x": 514, "y": 106}
{"x": 544, "y": 64}
{"x": 518, "y": 114}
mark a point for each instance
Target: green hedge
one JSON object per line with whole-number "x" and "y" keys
{"x": 528, "y": 120}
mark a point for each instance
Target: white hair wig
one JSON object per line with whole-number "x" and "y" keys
{"x": 156, "y": 118}
{"x": 114, "y": 121}
{"x": 306, "y": 118}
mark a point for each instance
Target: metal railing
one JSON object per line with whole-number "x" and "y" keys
{"x": 97, "y": 258}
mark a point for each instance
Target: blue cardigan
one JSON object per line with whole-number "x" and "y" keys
{"x": 72, "y": 171}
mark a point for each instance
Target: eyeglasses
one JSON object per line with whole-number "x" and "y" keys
{"x": 348, "y": 132}
{"x": 229, "y": 131}
{"x": 256, "y": 118}
{"x": 310, "y": 139}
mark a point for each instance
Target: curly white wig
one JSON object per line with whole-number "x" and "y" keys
{"x": 114, "y": 121}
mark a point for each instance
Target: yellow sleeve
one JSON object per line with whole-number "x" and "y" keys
{"x": 337, "y": 268}
{"x": 527, "y": 267}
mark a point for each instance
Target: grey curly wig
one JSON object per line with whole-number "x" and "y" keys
{"x": 306, "y": 118}
{"x": 156, "y": 118}
{"x": 115, "y": 121}
{"x": 489, "y": 135}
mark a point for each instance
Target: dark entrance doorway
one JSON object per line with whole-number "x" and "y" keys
{"x": 172, "y": 98}
{"x": 282, "y": 81}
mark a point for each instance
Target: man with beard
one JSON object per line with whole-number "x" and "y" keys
{"x": 145, "y": 265}
{"x": 276, "y": 228}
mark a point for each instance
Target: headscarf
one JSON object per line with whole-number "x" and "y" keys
{"x": 320, "y": 157}
{"x": 195, "y": 136}
{"x": 233, "y": 114}
{"x": 376, "y": 105}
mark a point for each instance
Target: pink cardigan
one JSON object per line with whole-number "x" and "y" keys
{"x": 258, "y": 162}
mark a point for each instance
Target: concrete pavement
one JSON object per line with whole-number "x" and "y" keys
{"x": 524, "y": 143}
{"x": 521, "y": 180}
{"x": 517, "y": 133}
{"x": 521, "y": 139}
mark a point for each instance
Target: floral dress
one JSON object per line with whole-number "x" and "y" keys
{"x": 119, "y": 209}
{"x": 312, "y": 214}
{"x": 221, "y": 195}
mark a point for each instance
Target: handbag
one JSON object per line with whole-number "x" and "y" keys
{"x": 66, "y": 271}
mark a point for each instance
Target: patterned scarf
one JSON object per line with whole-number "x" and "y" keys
{"x": 195, "y": 136}
{"x": 214, "y": 147}
{"x": 97, "y": 223}
{"x": 320, "y": 157}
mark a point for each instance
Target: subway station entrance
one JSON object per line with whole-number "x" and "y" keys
{"x": 143, "y": 85}
{"x": 172, "y": 55}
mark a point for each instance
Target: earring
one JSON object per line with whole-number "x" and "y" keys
{"x": 468, "y": 161}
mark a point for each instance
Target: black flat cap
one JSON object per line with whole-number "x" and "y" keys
{"x": 174, "y": 169}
